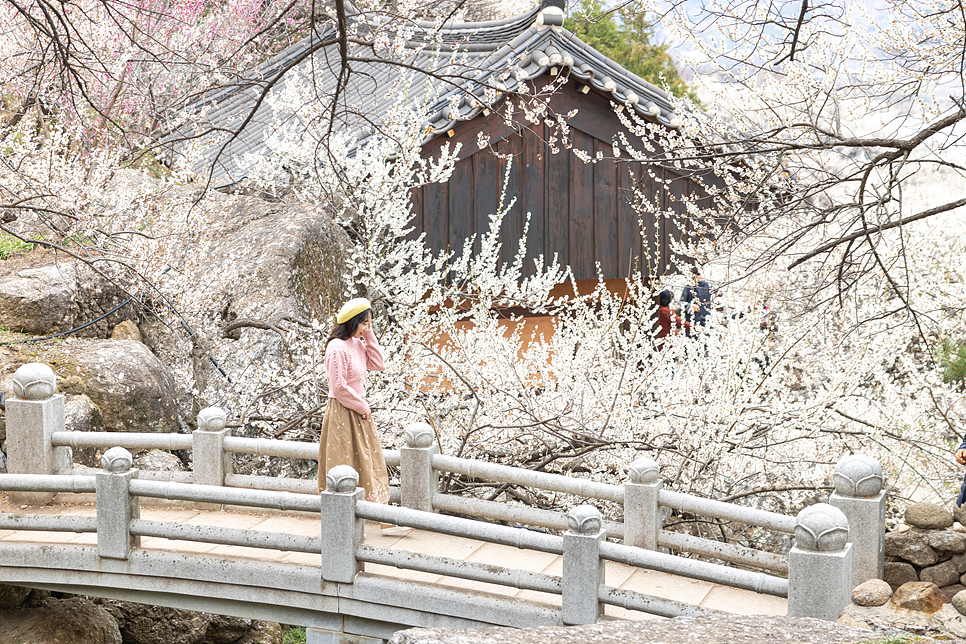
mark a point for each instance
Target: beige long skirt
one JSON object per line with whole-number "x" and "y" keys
{"x": 348, "y": 440}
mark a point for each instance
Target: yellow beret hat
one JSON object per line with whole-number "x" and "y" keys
{"x": 351, "y": 309}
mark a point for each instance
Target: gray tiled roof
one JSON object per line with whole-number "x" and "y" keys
{"x": 481, "y": 51}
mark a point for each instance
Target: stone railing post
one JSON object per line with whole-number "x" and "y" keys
{"x": 342, "y": 530}
{"x": 583, "y": 571}
{"x": 820, "y": 564}
{"x": 642, "y": 514}
{"x": 116, "y": 508}
{"x": 210, "y": 463}
{"x": 859, "y": 495}
{"x": 34, "y": 413}
{"x": 418, "y": 480}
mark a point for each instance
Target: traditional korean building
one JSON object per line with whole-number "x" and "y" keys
{"x": 579, "y": 212}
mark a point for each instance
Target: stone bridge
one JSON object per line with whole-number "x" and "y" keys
{"x": 282, "y": 550}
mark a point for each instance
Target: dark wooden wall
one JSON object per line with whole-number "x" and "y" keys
{"x": 582, "y": 212}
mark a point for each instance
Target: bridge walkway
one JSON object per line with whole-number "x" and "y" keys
{"x": 690, "y": 591}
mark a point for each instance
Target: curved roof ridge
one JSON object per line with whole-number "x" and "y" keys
{"x": 527, "y": 17}
{"x": 607, "y": 62}
{"x": 524, "y": 18}
{"x": 526, "y": 52}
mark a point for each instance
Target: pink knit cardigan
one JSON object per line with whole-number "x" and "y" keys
{"x": 346, "y": 363}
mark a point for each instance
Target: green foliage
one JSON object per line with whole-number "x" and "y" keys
{"x": 294, "y": 636}
{"x": 896, "y": 639}
{"x": 624, "y": 36}
{"x": 952, "y": 358}
{"x": 10, "y": 245}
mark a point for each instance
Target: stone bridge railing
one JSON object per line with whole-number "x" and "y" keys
{"x": 822, "y": 567}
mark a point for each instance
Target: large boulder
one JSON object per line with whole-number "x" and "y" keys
{"x": 144, "y": 624}
{"x": 919, "y": 596}
{"x": 76, "y": 620}
{"x": 943, "y": 574}
{"x": 129, "y": 386}
{"x": 276, "y": 258}
{"x": 12, "y": 596}
{"x": 82, "y": 415}
{"x": 262, "y": 633}
{"x": 36, "y": 299}
{"x": 947, "y": 541}
{"x": 223, "y": 629}
{"x": 42, "y": 293}
{"x": 156, "y": 460}
{"x": 253, "y": 270}
{"x": 133, "y": 390}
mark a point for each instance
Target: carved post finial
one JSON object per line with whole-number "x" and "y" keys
{"x": 419, "y": 435}
{"x": 341, "y": 479}
{"x": 584, "y": 519}
{"x": 212, "y": 419}
{"x": 117, "y": 460}
{"x": 642, "y": 511}
{"x": 34, "y": 381}
{"x": 858, "y": 475}
{"x": 644, "y": 470}
{"x": 821, "y": 528}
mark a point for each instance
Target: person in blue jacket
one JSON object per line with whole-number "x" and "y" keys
{"x": 961, "y": 459}
{"x": 697, "y": 300}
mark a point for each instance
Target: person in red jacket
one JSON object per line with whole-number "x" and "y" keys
{"x": 666, "y": 318}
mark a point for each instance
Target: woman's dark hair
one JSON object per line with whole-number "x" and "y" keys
{"x": 348, "y": 328}
{"x": 665, "y": 298}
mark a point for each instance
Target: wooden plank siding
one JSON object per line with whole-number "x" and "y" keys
{"x": 486, "y": 185}
{"x": 533, "y": 193}
{"x": 459, "y": 220}
{"x": 583, "y": 223}
{"x": 511, "y": 151}
{"x": 606, "y": 237}
{"x": 557, "y": 216}
{"x": 582, "y": 212}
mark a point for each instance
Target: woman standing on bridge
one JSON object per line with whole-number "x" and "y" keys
{"x": 348, "y": 433}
